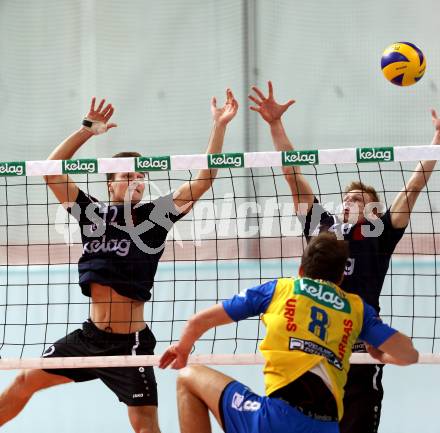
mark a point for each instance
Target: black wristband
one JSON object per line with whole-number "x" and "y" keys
{"x": 87, "y": 123}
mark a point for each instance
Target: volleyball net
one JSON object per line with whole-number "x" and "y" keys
{"x": 241, "y": 233}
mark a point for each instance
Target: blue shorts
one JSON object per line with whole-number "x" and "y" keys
{"x": 242, "y": 411}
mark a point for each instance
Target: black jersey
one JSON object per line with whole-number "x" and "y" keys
{"x": 122, "y": 244}
{"x": 371, "y": 245}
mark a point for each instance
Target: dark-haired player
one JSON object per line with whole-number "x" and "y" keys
{"x": 311, "y": 325}
{"x": 123, "y": 241}
{"x": 372, "y": 238}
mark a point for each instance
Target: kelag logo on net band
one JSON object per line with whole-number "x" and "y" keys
{"x": 375, "y": 154}
{"x": 225, "y": 160}
{"x": 153, "y": 163}
{"x": 80, "y": 166}
{"x": 300, "y": 157}
{"x": 13, "y": 168}
{"x": 321, "y": 293}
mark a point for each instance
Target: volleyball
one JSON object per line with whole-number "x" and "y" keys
{"x": 403, "y": 64}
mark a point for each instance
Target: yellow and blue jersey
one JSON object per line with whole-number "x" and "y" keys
{"x": 311, "y": 325}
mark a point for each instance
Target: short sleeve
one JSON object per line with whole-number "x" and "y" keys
{"x": 390, "y": 236}
{"x": 252, "y": 302}
{"x": 79, "y": 207}
{"x": 317, "y": 218}
{"x": 374, "y": 331}
{"x": 166, "y": 206}
{"x": 162, "y": 212}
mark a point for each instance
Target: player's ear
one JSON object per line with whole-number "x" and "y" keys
{"x": 300, "y": 271}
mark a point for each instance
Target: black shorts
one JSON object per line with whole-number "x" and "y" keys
{"x": 134, "y": 386}
{"x": 362, "y": 399}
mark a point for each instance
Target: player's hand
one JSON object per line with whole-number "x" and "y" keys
{"x": 225, "y": 114}
{"x": 375, "y": 353}
{"x": 435, "y": 120}
{"x": 268, "y": 108}
{"x": 174, "y": 356}
{"x": 102, "y": 113}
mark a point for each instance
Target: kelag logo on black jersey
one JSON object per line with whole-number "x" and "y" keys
{"x": 12, "y": 168}
{"x": 153, "y": 163}
{"x": 119, "y": 246}
{"x": 80, "y": 166}
{"x": 375, "y": 154}
{"x": 300, "y": 157}
{"x": 321, "y": 293}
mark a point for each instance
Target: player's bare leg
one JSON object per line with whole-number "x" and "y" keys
{"x": 198, "y": 391}
{"x": 14, "y": 398}
{"x": 144, "y": 419}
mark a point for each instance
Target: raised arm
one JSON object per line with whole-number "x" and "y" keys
{"x": 177, "y": 354}
{"x": 64, "y": 189}
{"x": 272, "y": 112}
{"x": 404, "y": 202}
{"x": 188, "y": 193}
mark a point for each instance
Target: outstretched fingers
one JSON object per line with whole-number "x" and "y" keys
{"x": 101, "y": 104}
{"x": 107, "y": 110}
{"x": 289, "y": 103}
{"x": 255, "y": 100}
{"x": 231, "y": 102}
{"x": 258, "y": 92}
{"x": 269, "y": 85}
{"x": 229, "y": 96}
{"x": 257, "y": 109}
{"x": 92, "y": 105}
{"x": 100, "y": 115}
{"x": 109, "y": 114}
